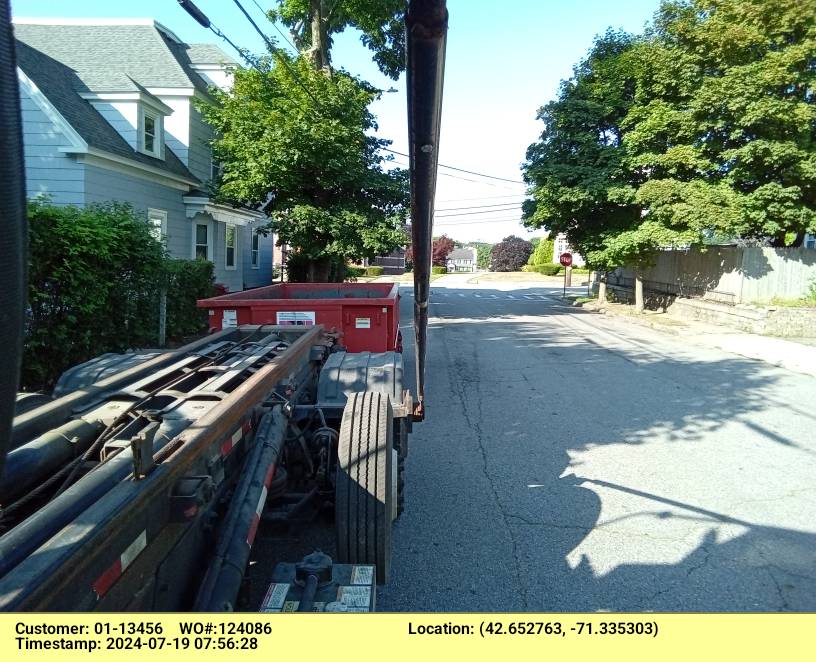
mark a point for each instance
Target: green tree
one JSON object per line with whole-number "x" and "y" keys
{"x": 331, "y": 198}
{"x": 542, "y": 251}
{"x": 577, "y": 171}
{"x": 722, "y": 129}
{"x": 312, "y": 24}
{"x": 482, "y": 254}
{"x": 703, "y": 126}
{"x": 294, "y": 134}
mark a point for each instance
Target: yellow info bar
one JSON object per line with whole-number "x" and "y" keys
{"x": 603, "y": 637}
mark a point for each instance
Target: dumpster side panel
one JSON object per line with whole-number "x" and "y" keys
{"x": 366, "y": 314}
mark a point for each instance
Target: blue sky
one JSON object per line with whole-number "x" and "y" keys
{"x": 504, "y": 61}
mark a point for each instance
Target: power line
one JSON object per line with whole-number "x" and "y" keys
{"x": 479, "y": 221}
{"x": 498, "y": 204}
{"x": 274, "y": 49}
{"x": 469, "y": 172}
{"x": 274, "y": 25}
{"x": 464, "y": 179}
{"x": 488, "y": 197}
{"x": 473, "y": 213}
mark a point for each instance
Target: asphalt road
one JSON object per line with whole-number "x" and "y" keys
{"x": 575, "y": 462}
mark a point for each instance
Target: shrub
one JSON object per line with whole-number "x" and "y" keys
{"x": 548, "y": 269}
{"x": 186, "y": 282}
{"x": 353, "y": 271}
{"x": 374, "y": 271}
{"x": 439, "y": 270}
{"x": 94, "y": 277}
{"x": 543, "y": 252}
{"x": 510, "y": 254}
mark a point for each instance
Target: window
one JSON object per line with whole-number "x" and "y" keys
{"x": 215, "y": 170}
{"x": 202, "y": 244}
{"x": 157, "y": 220}
{"x": 810, "y": 241}
{"x": 151, "y": 133}
{"x": 255, "y": 252}
{"x": 230, "y": 244}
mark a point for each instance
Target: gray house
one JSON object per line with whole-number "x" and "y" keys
{"x": 108, "y": 114}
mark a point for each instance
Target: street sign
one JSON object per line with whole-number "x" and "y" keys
{"x": 565, "y": 259}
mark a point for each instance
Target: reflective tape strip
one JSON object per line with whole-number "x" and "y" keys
{"x": 240, "y": 433}
{"x": 108, "y": 578}
{"x": 253, "y": 528}
{"x": 270, "y": 474}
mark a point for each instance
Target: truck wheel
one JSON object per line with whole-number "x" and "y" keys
{"x": 366, "y": 482}
{"x": 402, "y": 449}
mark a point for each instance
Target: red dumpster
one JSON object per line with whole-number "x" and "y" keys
{"x": 366, "y": 313}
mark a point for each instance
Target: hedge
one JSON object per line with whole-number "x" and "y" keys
{"x": 439, "y": 270}
{"x": 94, "y": 277}
{"x": 374, "y": 271}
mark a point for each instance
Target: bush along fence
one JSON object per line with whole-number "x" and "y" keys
{"x": 95, "y": 276}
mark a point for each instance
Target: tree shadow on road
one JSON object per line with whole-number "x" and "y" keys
{"x": 603, "y": 473}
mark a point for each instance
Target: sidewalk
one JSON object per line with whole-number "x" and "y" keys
{"x": 788, "y": 354}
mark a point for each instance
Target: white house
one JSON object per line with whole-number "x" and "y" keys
{"x": 108, "y": 114}
{"x": 561, "y": 246}
{"x": 462, "y": 259}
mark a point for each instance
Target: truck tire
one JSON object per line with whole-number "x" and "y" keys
{"x": 365, "y": 488}
{"x": 402, "y": 449}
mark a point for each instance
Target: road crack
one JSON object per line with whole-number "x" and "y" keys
{"x": 459, "y": 378}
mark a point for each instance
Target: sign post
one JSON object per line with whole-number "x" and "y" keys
{"x": 566, "y": 261}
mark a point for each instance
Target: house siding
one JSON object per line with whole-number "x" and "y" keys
{"x": 102, "y": 185}
{"x": 199, "y": 151}
{"x": 262, "y": 275}
{"x": 48, "y": 171}
{"x": 233, "y": 280}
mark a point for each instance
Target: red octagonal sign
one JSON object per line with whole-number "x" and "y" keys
{"x": 565, "y": 259}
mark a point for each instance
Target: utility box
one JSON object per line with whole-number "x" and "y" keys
{"x": 346, "y": 588}
{"x": 367, "y": 314}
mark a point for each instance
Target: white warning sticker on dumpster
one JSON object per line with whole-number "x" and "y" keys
{"x": 354, "y": 596}
{"x": 274, "y": 598}
{"x": 296, "y": 317}
{"x": 230, "y": 318}
{"x": 362, "y": 322}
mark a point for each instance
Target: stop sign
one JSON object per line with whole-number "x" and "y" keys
{"x": 565, "y": 259}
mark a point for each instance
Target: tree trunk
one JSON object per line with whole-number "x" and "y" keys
{"x": 319, "y": 51}
{"x": 638, "y": 293}
{"x": 319, "y": 270}
{"x": 602, "y": 289}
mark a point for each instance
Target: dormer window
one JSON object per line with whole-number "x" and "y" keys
{"x": 151, "y": 133}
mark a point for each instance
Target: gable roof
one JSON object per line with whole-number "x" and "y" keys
{"x": 62, "y": 86}
{"x": 208, "y": 54}
{"x": 461, "y": 254}
{"x": 107, "y": 58}
{"x": 67, "y": 58}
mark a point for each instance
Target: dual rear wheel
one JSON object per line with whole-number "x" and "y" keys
{"x": 367, "y": 493}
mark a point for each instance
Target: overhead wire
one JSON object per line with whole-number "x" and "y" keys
{"x": 282, "y": 58}
{"x": 480, "y": 221}
{"x": 498, "y": 204}
{"x": 469, "y": 172}
{"x": 487, "y": 197}
{"x": 275, "y": 25}
{"x": 201, "y": 18}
